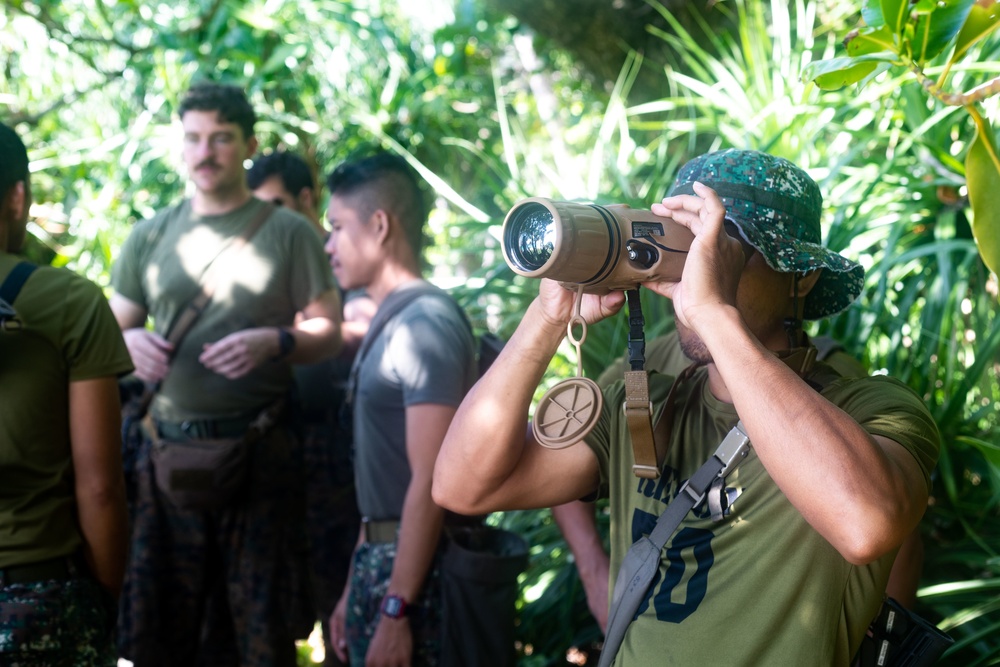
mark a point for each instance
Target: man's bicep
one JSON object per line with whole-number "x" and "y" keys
{"x": 545, "y": 477}
{"x": 95, "y": 428}
{"x": 326, "y": 305}
{"x": 911, "y": 477}
{"x": 128, "y": 313}
{"x": 426, "y": 425}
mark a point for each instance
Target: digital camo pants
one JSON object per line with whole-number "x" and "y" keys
{"x": 369, "y": 582}
{"x": 56, "y": 624}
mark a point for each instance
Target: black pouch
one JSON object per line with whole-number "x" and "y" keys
{"x": 479, "y": 588}
{"x": 899, "y": 638}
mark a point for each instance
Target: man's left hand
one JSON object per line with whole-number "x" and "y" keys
{"x": 391, "y": 645}
{"x": 715, "y": 260}
{"x": 239, "y": 353}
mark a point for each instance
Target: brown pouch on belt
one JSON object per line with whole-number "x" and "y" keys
{"x": 206, "y": 473}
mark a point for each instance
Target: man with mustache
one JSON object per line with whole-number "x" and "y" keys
{"x": 231, "y": 369}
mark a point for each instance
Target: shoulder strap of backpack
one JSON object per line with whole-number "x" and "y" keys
{"x": 15, "y": 280}
{"x": 391, "y": 306}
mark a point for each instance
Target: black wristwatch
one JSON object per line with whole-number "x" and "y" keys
{"x": 286, "y": 343}
{"x": 394, "y": 606}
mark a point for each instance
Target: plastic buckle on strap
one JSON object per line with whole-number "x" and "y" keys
{"x": 733, "y": 449}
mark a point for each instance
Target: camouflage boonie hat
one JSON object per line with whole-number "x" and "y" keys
{"x": 777, "y": 207}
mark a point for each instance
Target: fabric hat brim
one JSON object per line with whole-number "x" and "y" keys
{"x": 763, "y": 223}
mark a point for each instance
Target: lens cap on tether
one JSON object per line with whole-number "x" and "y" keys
{"x": 567, "y": 412}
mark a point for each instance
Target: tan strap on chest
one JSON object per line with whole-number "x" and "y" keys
{"x": 650, "y": 442}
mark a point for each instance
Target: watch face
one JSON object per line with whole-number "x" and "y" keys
{"x": 393, "y": 606}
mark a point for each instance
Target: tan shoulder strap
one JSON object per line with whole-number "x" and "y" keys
{"x": 196, "y": 306}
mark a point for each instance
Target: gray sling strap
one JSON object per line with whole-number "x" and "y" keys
{"x": 643, "y": 558}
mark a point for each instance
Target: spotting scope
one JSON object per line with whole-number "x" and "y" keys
{"x": 603, "y": 248}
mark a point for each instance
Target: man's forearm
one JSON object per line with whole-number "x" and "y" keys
{"x": 419, "y": 534}
{"x": 870, "y": 499}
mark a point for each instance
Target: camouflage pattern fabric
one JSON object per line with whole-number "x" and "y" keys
{"x": 56, "y": 624}
{"x": 254, "y": 552}
{"x": 777, "y": 207}
{"x": 369, "y": 583}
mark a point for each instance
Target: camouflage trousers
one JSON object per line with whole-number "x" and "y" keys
{"x": 56, "y": 624}
{"x": 369, "y": 583}
{"x": 249, "y": 559}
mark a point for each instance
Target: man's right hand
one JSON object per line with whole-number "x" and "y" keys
{"x": 150, "y": 353}
{"x": 558, "y": 303}
{"x": 338, "y": 634}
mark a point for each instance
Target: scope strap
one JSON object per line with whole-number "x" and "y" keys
{"x": 637, "y": 407}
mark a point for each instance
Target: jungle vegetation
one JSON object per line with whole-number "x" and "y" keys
{"x": 495, "y": 100}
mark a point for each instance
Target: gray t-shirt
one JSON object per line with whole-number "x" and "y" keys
{"x": 424, "y": 354}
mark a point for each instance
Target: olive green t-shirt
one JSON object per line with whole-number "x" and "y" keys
{"x": 761, "y": 587}
{"x": 664, "y": 355}
{"x": 277, "y": 274}
{"x": 69, "y": 335}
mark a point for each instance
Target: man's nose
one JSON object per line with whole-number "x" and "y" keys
{"x": 204, "y": 149}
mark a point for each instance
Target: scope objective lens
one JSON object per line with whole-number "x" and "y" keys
{"x": 531, "y": 236}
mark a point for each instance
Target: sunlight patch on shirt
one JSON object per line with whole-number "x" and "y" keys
{"x": 247, "y": 269}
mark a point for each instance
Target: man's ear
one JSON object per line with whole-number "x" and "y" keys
{"x": 806, "y": 281}
{"x": 251, "y": 147}
{"x": 381, "y": 224}
{"x": 14, "y": 201}
{"x": 307, "y": 199}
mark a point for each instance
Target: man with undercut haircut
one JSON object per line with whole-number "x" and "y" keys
{"x": 231, "y": 370}
{"x": 407, "y": 380}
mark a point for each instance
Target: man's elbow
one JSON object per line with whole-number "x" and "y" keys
{"x": 453, "y": 495}
{"x": 865, "y": 544}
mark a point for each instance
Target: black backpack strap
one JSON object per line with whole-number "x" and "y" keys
{"x": 15, "y": 281}
{"x": 393, "y": 303}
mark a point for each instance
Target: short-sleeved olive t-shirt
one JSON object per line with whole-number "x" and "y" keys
{"x": 69, "y": 335}
{"x": 762, "y": 576}
{"x": 278, "y": 273}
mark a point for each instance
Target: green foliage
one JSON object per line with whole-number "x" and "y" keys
{"x": 912, "y": 36}
{"x": 488, "y": 115}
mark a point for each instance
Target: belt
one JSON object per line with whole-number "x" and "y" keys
{"x": 64, "y": 567}
{"x": 204, "y": 428}
{"x": 379, "y": 531}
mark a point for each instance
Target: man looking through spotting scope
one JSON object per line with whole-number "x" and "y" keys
{"x": 837, "y": 476}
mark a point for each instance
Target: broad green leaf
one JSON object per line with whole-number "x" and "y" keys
{"x": 980, "y": 22}
{"x": 869, "y": 40}
{"x": 895, "y": 13}
{"x": 982, "y": 175}
{"x": 847, "y": 76}
{"x": 938, "y": 22}
{"x": 871, "y": 12}
{"x": 836, "y": 73}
